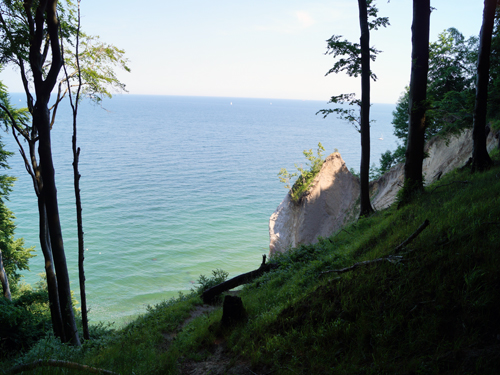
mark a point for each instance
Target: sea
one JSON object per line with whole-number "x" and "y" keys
{"x": 175, "y": 187}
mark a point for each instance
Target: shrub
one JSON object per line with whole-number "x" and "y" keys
{"x": 306, "y": 176}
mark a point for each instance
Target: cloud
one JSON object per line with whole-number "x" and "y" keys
{"x": 292, "y": 23}
{"x": 305, "y": 19}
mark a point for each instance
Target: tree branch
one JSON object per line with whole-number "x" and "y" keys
{"x": 390, "y": 258}
{"x": 53, "y": 29}
{"x": 413, "y": 236}
{"x": 451, "y": 183}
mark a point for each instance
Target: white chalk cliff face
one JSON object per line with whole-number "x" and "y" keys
{"x": 320, "y": 212}
{"x": 445, "y": 155}
{"x": 331, "y": 200}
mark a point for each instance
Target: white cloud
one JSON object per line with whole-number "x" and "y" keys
{"x": 292, "y": 23}
{"x": 305, "y": 19}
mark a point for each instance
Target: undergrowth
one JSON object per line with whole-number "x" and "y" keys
{"x": 433, "y": 311}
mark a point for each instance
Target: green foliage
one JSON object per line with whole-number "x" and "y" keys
{"x": 14, "y": 28}
{"x": 348, "y": 59}
{"x": 451, "y": 88}
{"x": 452, "y": 63}
{"x": 15, "y": 256}
{"x": 306, "y": 176}
{"x": 23, "y": 321}
{"x": 387, "y": 160}
{"x": 348, "y": 53}
{"x": 98, "y": 61}
{"x": 344, "y": 113}
{"x": 286, "y": 178}
{"x": 204, "y": 282}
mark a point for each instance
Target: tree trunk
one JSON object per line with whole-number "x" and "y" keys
{"x": 55, "y": 307}
{"x": 366, "y": 207}
{"x": 4, "y": 280}
{"x": 79, "y": 221}
{"x": 417, "y": 97}
{"x": 41, "y": 121}
{"x": 76, "y": 183}
{"x": 480, "y": 158}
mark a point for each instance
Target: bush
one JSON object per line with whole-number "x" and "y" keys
{"x": 23, "y": 321}
{"x": 205, "y": 283}
{"x": 306, "y": 176}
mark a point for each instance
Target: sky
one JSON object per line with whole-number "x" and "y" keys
{"x": 258, "y": 48}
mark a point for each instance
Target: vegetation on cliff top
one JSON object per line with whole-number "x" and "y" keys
{"x": 298, "y": 183}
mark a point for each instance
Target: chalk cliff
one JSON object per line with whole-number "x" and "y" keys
{"x": 332, "y": 198}
{"x": 445, "y": 155}
{"x": 321, "y": 211}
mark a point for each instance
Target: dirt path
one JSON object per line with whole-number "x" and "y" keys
{"x": 218, "y": 362}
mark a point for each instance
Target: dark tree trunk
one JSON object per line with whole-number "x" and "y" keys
{"x": 233, "y": 311}
{"x": 480, "y": 158}
{"x": 55, "y": 308}
{"x": 4, "y": 280}
{"x": 366, "y": 207}
{"x": 49, "y": 194}
{"x": 417, "y": 97}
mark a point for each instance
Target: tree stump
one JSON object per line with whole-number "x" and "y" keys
{"x": 233, "y": 311}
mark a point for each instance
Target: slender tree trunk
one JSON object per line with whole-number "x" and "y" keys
{"x": 366, "y": 207}
{"x": 480, "y": 158}
{"x": 417, "y": 97}
{"x": 76, "y": 183}
{"x": 79, "y": 221}
{"x": 4, "y": 280}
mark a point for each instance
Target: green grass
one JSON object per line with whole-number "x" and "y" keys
{"x": 434, "y": 312}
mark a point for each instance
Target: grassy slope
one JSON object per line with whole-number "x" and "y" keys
{"x": 435, "y": 311}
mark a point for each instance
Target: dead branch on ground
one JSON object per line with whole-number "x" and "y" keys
{"x": 389, "y": 258}
{"x": 451, "y": 183}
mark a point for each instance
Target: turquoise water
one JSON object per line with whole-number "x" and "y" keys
{"x": 174, "y": 187}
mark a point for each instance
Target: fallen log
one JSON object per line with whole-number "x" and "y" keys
{"x": 209, "y": 294}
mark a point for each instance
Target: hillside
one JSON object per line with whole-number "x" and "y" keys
{"x": 430, "y": 307}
